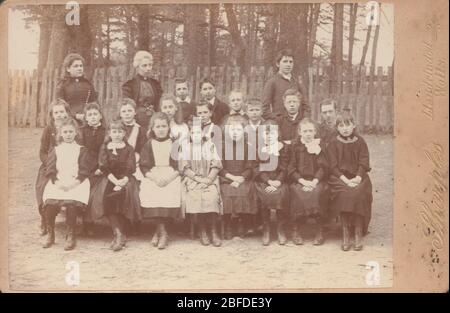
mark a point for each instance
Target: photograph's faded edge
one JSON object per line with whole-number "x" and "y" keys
{"x": 4, "y": 277}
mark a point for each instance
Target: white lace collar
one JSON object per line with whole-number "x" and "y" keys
{"x": 312, "y": 147}
{"x": 114, "y": 146}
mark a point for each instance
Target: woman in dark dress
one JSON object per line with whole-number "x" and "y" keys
{"x": 143, "y": 89}
{"x": 351, "y": 188}
{"x": 74, "y": 88}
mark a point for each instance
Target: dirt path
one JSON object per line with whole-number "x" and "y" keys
{"x": 238, "y": 264}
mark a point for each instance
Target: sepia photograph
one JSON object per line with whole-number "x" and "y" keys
{"x": 200, "y": 147}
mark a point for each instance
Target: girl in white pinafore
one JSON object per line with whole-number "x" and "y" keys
{"x": 160, "y": 192}
{"x": 200, "y": 166}
{"x": 68, "y": 166}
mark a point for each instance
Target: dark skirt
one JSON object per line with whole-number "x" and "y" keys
{"x": 278, "y": 200}
{"x": 66, "y": 203}
{"x": 356, "y": 200}
{"x": 172, "y": 213}
{"x": 104, "y": 200}
{"x": 41, "y": 182}
{"x": 239, "y": 200}
{"x": 309, "y": 203}
{"x": 94, "y": 181}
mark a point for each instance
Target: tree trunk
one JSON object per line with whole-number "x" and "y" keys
{"x": 44, "y": 42}
{"x": 374, "y": 47}
{"x": 353, "y": 15}
{"x": 314, "y": 20}
{"x": 58, "y": 46}
{"x": 240, "y": 47}
{"x": 363, "y": 56}
{"x": 143, "y": 27}
{"x": 302, "y": 60}
{"x": 80, "y": 38}
{"x": 337, "y": 46}
{"x": 108, "y": 39}
{"x": 213, "y": 17}
{"x": 99, "y": 46}
{"x": 270, "y": 34}
{"x": 193, "y": 37}
{"x": 130, "y": 34}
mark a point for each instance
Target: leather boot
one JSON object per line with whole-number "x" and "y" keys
{"x": 281, "y": 233}
{"x": 296, "y": 236}
{"x": 114, "y": 241}
{"x": 216, "y": 241}
{"x": 43, "y": 226}
{"x": 70, "y": 238}
{"x": 265, "y": 214}
{"x": 120, "y": 240}
{"x": 358, "y": 233}
{"x": 155, "y": 238}
{"x": 50, "y": 217}
{"x": 203, "y": 235}
{"x": 241, "y": 227}
{"x": 319, "y": 240}
{"x": 71, "y": 221}
{"x": 164, "y": 237}
{"x": 281, "y": 221}
{"x": 228, "y": 228}
{"x": 266, "y": 234}
{"x": 345, "y": 234}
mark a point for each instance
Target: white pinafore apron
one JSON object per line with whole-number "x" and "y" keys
{"x": 150, "y": 194}
{"x": 67, "y": 168}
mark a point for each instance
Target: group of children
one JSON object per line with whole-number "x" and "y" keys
{"x": 208, "y": 163}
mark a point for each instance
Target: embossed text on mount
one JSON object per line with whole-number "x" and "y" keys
{"x": 434, "y": 74}
{"x": 432, "y": 212}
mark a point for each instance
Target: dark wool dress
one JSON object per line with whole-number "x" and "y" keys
{"x": 242, "y": 199}
{"x": 308, "y": 166}
{"x": 92, "y": 138}
{"x": 220, "y": 110}
{"x": 140, "y": 139}
{"x": 76, "y": 92}
{"x": 48, "y": 142}
{"x": 146, "y": 92}
{"x": 288, "y": 127}
{"x": 104, "y": 199}
{"x": 350, "y": 157}
{"x": 156, "y": 156}
{"x": 279, "y": 199}
{"x": 186, "y": 110}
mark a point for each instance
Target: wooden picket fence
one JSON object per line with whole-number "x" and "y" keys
{"x": 368, "y": 95}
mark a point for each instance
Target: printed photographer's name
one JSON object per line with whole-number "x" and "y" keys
{"x": 432, "y": 213}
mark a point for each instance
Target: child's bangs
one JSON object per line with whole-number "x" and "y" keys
{"x": 345, "y": 119}
{"x": 116, "y": 126}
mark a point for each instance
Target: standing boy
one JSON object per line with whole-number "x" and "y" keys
{"x": 277, "y": 85}
{"x": 186, "y": 107}
{"x": 219, "y": 108}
